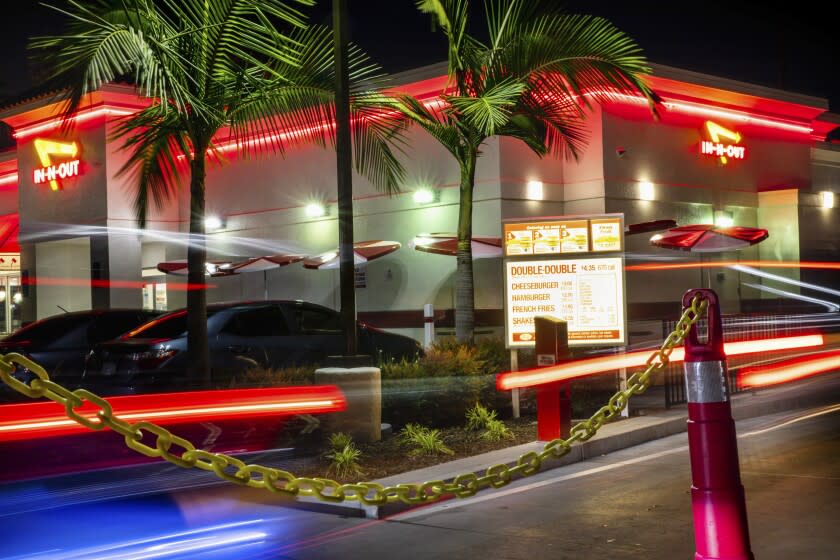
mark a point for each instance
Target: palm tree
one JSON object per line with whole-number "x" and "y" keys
{"x": 207, "y": 66}
{"x": 533, "y": 80}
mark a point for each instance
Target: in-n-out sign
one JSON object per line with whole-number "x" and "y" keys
{"x": 717, "y": 148}
{"x": 52, "y": 171}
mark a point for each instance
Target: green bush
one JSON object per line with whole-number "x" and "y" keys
{"x": 478, "y": 417}
{"x": 283, "y": 377}
{"x": 344, "y": 462}
{"x": 438, "y": 388}
{"x": 339, "y": 440}
{"x": 495, "y": 430}
{"x": 425, "y": 441}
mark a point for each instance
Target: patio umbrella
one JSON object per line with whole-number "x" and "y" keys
{"x": 212, "y": 268}
{"x": 483, "y": 247}
{"x": 363, "y": 251}
{"x": 262, "y": 264}
{"x": 708, "y": 238}
{"x": 647, "y": 227}
{"x": 218, "y": 268}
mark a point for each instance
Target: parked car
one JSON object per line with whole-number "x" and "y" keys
{"x": 61, "y": 343}
{"x": 269, "y": 334}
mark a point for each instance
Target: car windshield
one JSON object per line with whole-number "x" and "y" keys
{"x": 48, "y": 329}
{"x": 173, "y": 325}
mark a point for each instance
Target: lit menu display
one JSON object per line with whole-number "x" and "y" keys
{"x": 586, "y": 293}
{"x": 564, "y": 237}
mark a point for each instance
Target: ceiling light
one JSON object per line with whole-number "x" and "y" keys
{"x": 534, "y": 190}
{"x": 646, "y": 191}
{"x": 315, "y": 210}
{"x": 723, "y": 218}
{"x": 212, "y": 223}
{"x": 424, "y": 196}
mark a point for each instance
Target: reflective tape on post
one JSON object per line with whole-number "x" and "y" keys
{"x": 717, "y": 495}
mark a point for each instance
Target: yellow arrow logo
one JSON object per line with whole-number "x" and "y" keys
{"x": 716, "y": 132}
{"x": 48, "y": 148}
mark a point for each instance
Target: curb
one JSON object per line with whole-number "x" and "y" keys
{"x": 612, "y": 437}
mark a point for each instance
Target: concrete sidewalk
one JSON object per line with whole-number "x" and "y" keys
{"x": 653, "y": 423}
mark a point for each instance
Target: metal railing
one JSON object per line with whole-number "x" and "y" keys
{"x": 738, "y": 328}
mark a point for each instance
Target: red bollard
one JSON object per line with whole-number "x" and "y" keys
{"x": 554, "y": 406}
{"x": 717, "y": 495}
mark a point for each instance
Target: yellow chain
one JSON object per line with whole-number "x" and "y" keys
{"x": 369, "y": 493}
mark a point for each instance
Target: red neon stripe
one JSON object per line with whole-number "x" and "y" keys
{"x": 47, "y": 281}
{"x": 721, "y": 264}
{"x": 48, "y": 419}
{"x": 582, "y": 368}
{"x": 789, "y": 370}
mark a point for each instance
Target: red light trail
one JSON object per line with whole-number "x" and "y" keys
{"x": 582, "y": 368}
{"x": 763, "y": 264}
{"x": 47, "y": 419}
{"x": 789, "y": 370}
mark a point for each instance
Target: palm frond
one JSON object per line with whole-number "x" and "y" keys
{"x": 159, "y": 155}
{"x": 492, "y": 109}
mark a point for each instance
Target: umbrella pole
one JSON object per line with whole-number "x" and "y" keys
{"x": 265, "y": 285}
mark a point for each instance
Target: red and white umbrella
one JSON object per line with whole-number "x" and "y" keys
{"x": 647, "y": 227}
{"x": 211, "y": 268}
{"x": 363, "y": 251}
{"x": 217, "y": 268}
{"x": 707, "y": 238}
{"x": 483, "y": 247}
{"x": 261, "y": 264}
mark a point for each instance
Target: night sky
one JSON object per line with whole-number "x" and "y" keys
{"x": 791, "y": 45}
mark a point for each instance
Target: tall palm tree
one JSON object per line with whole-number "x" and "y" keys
{"x": 208, "y": 66}
{"x": 533, "y": 80}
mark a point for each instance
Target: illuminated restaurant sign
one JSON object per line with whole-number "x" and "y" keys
{"x": 564, "y": 236}
{"x": 52, "y": 171}
{"x": 552, "y": 270}
{"x": 586, "y": 293}
{"x": 716, "y": 148}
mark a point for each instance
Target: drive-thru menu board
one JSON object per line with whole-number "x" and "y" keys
{"x": 587, "y": 293}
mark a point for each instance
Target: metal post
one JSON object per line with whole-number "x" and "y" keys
{"x": 717, "y": 495}
{"x": 428, "y": 325}
{"x": 343, "y": 148}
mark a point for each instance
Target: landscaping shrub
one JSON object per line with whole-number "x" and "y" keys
{"x": 266, "y": 377}
{"x": 438, "y": 388}
{"x": 425, "y": 441}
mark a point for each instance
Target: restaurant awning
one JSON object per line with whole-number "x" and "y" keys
{"x": 9, "y": 226}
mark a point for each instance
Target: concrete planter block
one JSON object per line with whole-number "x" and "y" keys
{"x": 362, "y": 388}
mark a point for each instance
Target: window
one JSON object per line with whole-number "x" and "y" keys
{"x": 263, "y": 321}
{"x": 312, "y": 320}
{"x": 112, "y": 325}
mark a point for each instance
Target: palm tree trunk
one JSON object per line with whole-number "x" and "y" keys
{"x": 197, "y": 348}
{"x": 464, "y": 289}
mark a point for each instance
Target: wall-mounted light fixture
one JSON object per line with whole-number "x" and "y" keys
{"x": 534, "y": 190}
{"x": 724, "y": 218}
{"x": 316, "y": 210}
{"x": 213, "y": 223}
{"x": 426, "y": 196}
{"x": 827, "y": 199}
{"x": 647, "y": 191}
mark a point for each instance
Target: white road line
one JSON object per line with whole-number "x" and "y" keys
{"x": 493, "y": 495}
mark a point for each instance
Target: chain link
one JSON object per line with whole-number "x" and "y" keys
{"x": 368, "y": 493}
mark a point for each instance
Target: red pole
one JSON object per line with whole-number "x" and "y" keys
{"x": 717, "y": 496}
{"x": 554, "y": 408}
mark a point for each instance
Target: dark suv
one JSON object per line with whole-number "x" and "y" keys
{"x": 268, "y": 334}
{"x": 61, "y": 343}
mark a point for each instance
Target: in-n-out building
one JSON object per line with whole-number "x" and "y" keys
{"x": 721, "y": 150}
